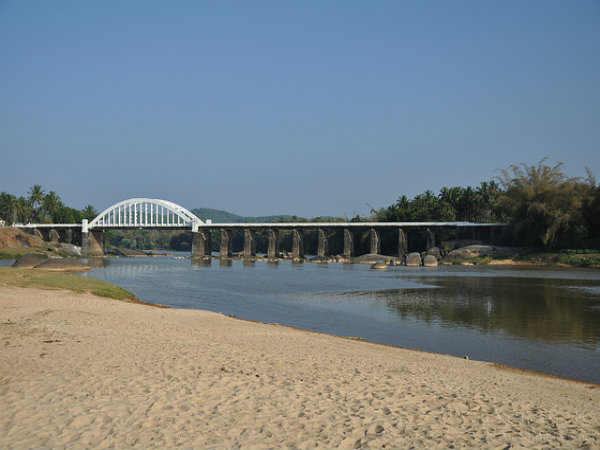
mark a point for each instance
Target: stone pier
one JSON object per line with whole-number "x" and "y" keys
{"x": 249, "y": 243}
{"x": 297, "y": 244}
{"x": 402, "y": 243}
{"x": 90, "y": 236}
{"x": 375, "y": 241}
{"x": 201, "y": 243}
{"x": 348, "y": 243}
{"x": 430, "y": 239}
{"x": 54, "y": 236}
{"x": 323, "y": 243}
{"x": 226, "y": 247}
{"x": 92, "y": 242}
{"x": 272, "y": 243}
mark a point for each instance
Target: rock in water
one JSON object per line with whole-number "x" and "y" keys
{"x": 435, "y": 251}
{"x": 413, "y": 259}
{"x": 28, "y": 261}
{"x": 379, "y": 266}
{"x": 70, "y": 248}
{"x": 430, "y": 261}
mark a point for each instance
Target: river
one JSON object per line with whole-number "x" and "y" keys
{"x": 547, "y": 320}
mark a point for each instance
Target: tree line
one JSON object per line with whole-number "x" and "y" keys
{"x": 40, "y": 207}
{"x": 543, "y": 206}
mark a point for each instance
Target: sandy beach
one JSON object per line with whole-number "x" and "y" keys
{"x": 79, "y": 371}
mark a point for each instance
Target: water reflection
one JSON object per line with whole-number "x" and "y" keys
{"x": 546, "y": 310}
{"x": 96, "y": 262}
{"x": 547, "y": 320}
{"x": 201, "y": 262}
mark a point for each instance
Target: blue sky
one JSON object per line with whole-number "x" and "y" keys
{"x": 291, "y": 107}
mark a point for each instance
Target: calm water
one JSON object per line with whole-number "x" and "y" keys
{"x": 538, "y": 319}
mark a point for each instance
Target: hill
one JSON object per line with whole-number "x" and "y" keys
{"x": 220, "y": 216}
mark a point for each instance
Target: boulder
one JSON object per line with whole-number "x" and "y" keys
{"x": 130, "y": 252}
{"x": 371, "y": 258}
{"x": 70, "y": 248}
{"x": 413, "y": 259}
{"x": 473, "y": 251}
{"x": 63, "y": 265}
{"x": 28, "y": 261}
{"x": 460, "y": 243}
{"x": 430, "y": 261}
{"x": 14, "y": 238}
{"x": 435, "y": 251}
{"x": 379, "y": 266}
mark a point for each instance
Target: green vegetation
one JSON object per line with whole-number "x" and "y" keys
{"x": 10, "y": 276}
{"x": 545, "y": 208}
{"x": 14, "y": 253}
{"x": 41, "y": 208}
{"x": 143, "y": 239}
{"x": 451, "y": 204}
{"x": 572, "y": 258}
{"x": 476, "y": 260}
{"x": 219, "y": 216}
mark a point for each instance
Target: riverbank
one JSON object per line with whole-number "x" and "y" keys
{"x": 15, "y": 243}
{"x": 82, "y": 371}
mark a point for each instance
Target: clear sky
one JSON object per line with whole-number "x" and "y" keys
{"x": 291, "y": 107}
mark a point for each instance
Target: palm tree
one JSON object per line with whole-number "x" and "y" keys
{"x": 51, "y": 205}
{"x": 486, "y": 195}
{"x": 36, "y": 197}
{"x": 452, "y": 196}
{"x": 467, "y": 204}
{"x": 8, "y": 207}
{"x": 90, "y": 212}
{"x": 23, "y": 210}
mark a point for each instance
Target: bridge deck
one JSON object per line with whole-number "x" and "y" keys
{"x": 273, "y": 225}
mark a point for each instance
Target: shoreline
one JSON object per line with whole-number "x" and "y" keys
{"x": 85, "y": 371}
{"x": 134, "y": 299}
{"x": 499, "y": 262}
{"x": 360, "y": 339}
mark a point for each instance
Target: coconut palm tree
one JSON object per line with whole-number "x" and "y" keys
{"x": 24, "y": 210}
{"x": 90, "y": 212}
{"x": 36, "y": 197}
{"x": 452, "y": 196}
{"x": 8, "y": 207}
{"x": 51, "y": 204}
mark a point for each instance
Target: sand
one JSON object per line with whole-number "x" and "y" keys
{"x": 78, "y": 371}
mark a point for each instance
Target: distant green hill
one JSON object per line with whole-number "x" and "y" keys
{"x": 219, "y": 216}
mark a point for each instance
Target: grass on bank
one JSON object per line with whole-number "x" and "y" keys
{"x": 476, "y": 260}
{"x": 14, "y": 253}
{"x": 572, "y": 258}
{"x": 11, "y": 276}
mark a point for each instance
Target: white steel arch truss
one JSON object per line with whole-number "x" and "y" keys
{"x": 145, "y": 213}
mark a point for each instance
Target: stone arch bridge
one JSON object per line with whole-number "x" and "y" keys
{"x": 156, "y": 214}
